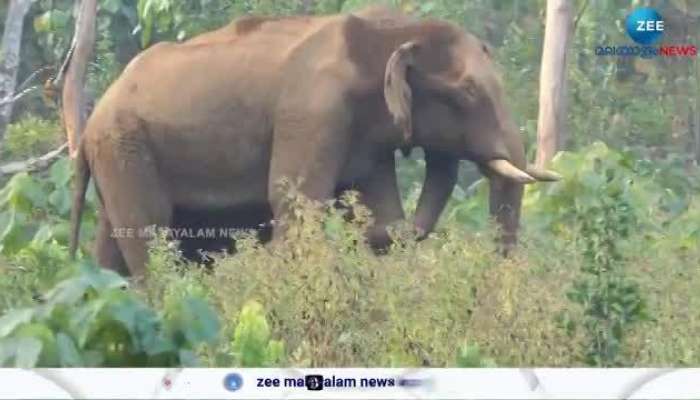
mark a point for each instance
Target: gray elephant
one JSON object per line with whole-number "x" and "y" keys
{"x": 214, "y": 123}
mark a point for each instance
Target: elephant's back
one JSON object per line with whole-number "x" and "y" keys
{"x": 206, "y": 106}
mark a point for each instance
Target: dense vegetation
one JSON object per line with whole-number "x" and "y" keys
{"x": 608, "y": 272}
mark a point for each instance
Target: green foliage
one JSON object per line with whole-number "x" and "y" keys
{"x": 32, "y": 271}
{"x": 469, "y": 356}
{"x": 31, "y": 136}
{"x": 610, "y": 299}
{"x": 657, "y": 192}
{"x": 180, "y": 20}
{"x": 252, "y": 346}
{"x": 34, "y": 232}
{"x": 333, "y": 302}
{"x": 90, "y": 319}
{"x": 34, "y": 210}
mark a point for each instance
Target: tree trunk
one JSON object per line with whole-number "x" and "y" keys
{"x": 552, "y": 107}
{"x": 74, "y": 101}
{"x": 9, "y": 58}
{"x": 696, "y": 120}
{"x": 697, "y": 103}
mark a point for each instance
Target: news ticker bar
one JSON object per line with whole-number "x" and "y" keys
{"x": 349, "y": 383}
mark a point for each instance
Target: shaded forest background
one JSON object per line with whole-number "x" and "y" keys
{"x": 647, "y": 105}
{"x": 608, "y": 272}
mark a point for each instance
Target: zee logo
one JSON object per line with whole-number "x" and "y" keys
{"x": 645, "y": 25}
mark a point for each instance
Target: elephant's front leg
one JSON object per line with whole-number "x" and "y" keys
{"x": 440, "y": 179}
{"x": 380, "y": 193}
{"x": 309, "y": 148}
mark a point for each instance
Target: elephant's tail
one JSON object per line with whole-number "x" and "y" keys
{"x": 82, "y": 178}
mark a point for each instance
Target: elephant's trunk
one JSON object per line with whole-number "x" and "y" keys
{"x": 506, "y": 188}
{"x": 505, "y": 198}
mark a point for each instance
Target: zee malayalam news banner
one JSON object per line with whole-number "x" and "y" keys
{"x": 349, "y": 383}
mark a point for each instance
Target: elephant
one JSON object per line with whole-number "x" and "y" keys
{"x": 214, "y": 123}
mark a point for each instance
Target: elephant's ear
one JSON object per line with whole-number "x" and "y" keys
{"x": 397, "y": 92}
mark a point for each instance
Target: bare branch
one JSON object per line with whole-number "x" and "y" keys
{"x": 32, "y": 76}
{"x": 33, "y": 164}
{"x": 12, "y": 99}
{"x": 56, "y": 80}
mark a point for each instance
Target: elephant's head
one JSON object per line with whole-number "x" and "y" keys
{"x": 443, "y": 90}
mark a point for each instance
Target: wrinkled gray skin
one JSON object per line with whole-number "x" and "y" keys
{"x": 214, "y": 124}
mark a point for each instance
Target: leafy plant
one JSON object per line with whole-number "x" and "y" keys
{"x": 251, "y": 345}
{"x": 612, "y": 302}
{"x": 91, "y": 319}
{"x": 469, "y": 356}
{"x": 36, "y": 210}
{"x": 31, "y": 136}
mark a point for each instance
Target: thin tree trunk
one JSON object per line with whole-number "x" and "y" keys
{"x": 9, "y": 58}
{"x": 74, "y": 101}
{"x": 696, "y": 120}
{"x": 552, "y": 101}
{"x": 697, "y": 103}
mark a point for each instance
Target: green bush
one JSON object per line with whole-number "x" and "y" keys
{"x": 37, "y": 210}
{"x": 333, "y": 302}
{"x": 469, "y": 356}
{"x": 322, "y": 298}
{"x": 251, "y": 344}
{"x": 91, "y": 319}
{"x": 611, "y": 300}
{"x": 31, "y": 136}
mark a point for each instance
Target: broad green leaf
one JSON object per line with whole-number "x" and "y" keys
{"x": 7, "y": 351}
{"x": 60, "y": 199}
{"x": 188, "y": 358}
{"x": 102, "y": 279}
{"x": 83, "y": 320}
{"x": 27, "y": 352}
{"x": 13, "y": 319}
{"x": 67, "y": 352}
{"x": 141, "y": 322}
{"x": 68, "y": 291}
{"x": 60, "y": 173}
{"x": 42, "y": 332}
{"x": 198, "y": 322}
{"x": 23, "y": 193}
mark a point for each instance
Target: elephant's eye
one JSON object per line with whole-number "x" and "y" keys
{"x": 463, "y": 97}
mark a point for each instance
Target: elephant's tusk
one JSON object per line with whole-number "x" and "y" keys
{"x": 508, "y": 170}
{"x": 543, "y": 175}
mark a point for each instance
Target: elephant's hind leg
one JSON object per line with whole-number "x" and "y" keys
{"x": 135, "y": 199}
{"x": 107, "y": 252}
